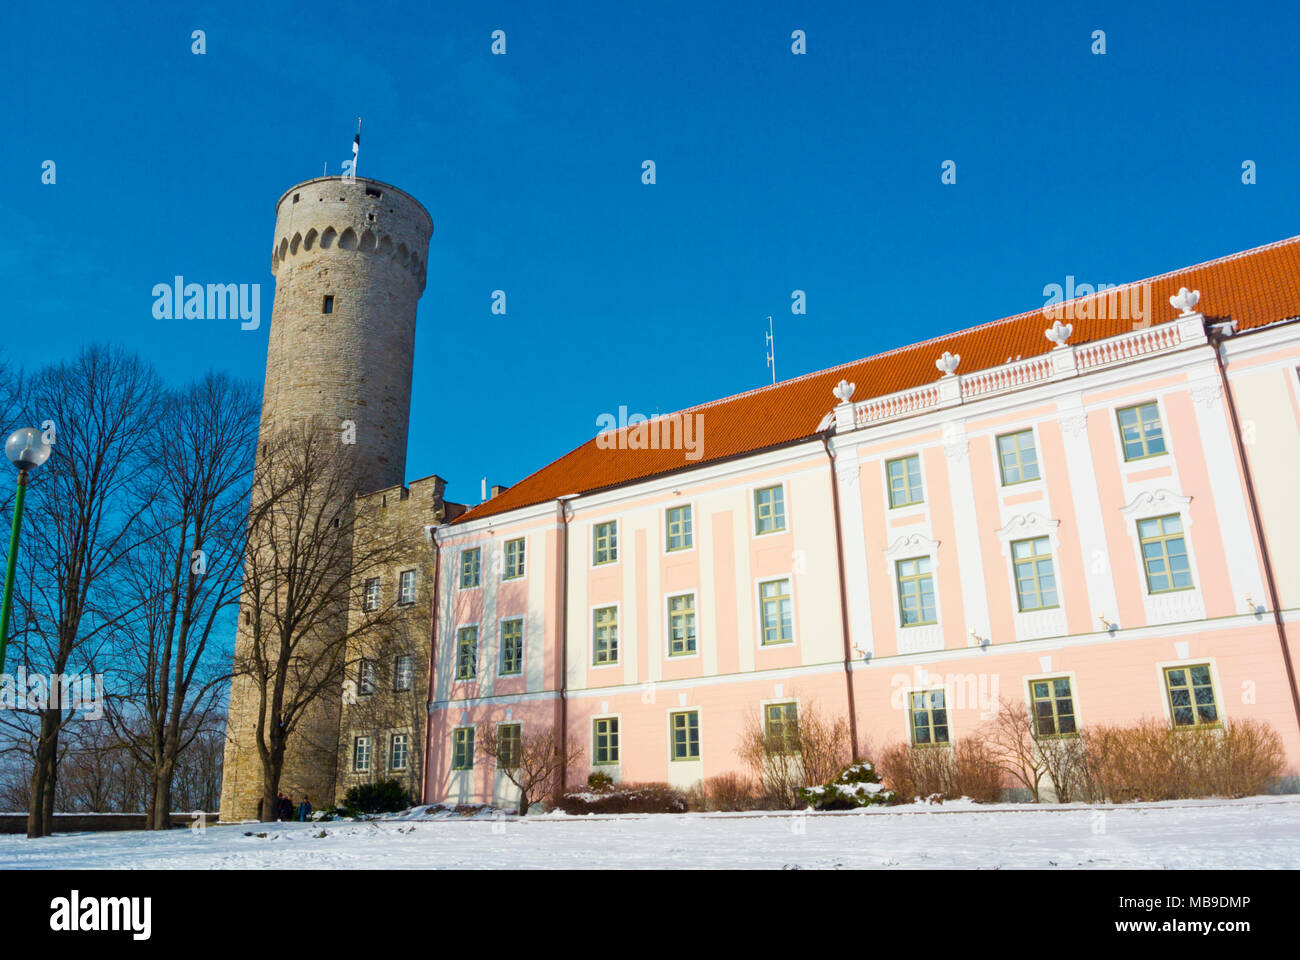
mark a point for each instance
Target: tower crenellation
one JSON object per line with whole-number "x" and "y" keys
{"x": 349, "y": 259}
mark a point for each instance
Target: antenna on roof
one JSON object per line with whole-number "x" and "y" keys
{"x": 771, "y": 349}
{"x": 483, "y": 493}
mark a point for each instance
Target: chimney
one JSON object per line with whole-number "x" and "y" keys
{"x": 498, "y": 488}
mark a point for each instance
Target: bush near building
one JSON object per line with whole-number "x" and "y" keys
{"x": 1106, "y": 763}
{"x": 857, "y": 785}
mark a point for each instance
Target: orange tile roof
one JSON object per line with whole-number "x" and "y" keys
{"x": 1255, "y": 287}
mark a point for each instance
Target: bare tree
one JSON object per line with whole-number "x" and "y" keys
{"x": 86, "y": 504}
{"x": 302, "y": 573}
{"x": 183, "y": 582}
{"x": 532, "y": 761}
{"x": 1013, "y": 745}
{"x": 810, "y": 751}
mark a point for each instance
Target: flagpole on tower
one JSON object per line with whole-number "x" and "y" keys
{"x": 771, "y": 349}
{"x": 356, "y": 147}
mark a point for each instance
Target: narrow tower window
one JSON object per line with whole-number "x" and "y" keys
{"x": 328, "y": 305}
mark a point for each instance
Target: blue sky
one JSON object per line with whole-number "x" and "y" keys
{"x": 775, "y": 172}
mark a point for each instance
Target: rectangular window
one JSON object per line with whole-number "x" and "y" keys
{"x": 605, "y": 740}
{"x": 1141, "y": 431}
{"x": 781, "y": 727}
{"x": 1191, "y": 696}
{"x": 512, "y": 646}
{"x": 679, "y": 528}
{"x": 510, "y": 737}
{"x": 372, "y": 594}
{"x": 327, "y": 305}
{"x": 604, "y": 635}
{"x": 361, "y": 754}
{"x": 604, "y": 542}
{"x": 467, "y": 653}
{"x": 1035, "y": 575}
{"x": 403, "y": 671}
{"x": 916, "y": 592}
{"x": 1053, "y": 707}
{"x": 366, "y": 678}
{"x": 462, "y": 748}
{"x": 406, "y": 588}
{"x": 1164, "y": 554}
{"x": 1017, "y": 457}
{"x": 471, "y": 568}
{"x": 777, "y": 615}
{"x": 681, "y": 625}
{"x": 685, "y": 727}
{"x": 514, "y": 566}
{"x": 769, "y": 510}
{"x": 397, "y": 752}
{"x": 904, "y": 481}
{"x": 929, "y": 718}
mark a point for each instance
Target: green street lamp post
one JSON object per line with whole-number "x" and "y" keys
{"x": 26, "y": 448}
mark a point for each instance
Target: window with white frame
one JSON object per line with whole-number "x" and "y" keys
{"x": 467, "y": 653}
{"x": 1192, "y": 700}
{"x": 769, "y": 510}
{"x": 679, "y": 535}
{"x": 904, "y": 481}
{"x": 361, "y": 754}
{"x": 398, "y": 750}
{"x": 681, "y": 625}
{"x": 1141, "y": 431}
{"x": 916, "y": 604}
{"x": 929, "y": 717}
{"x": 604, "y": 736}
{"x": 604, "y": 543}
{"x": 777, "y": 613}
{"x": 1017, "y": 457}
{"x": 510, "y": 737}
{"x": 1164, "y": 554}
{"x": 403, "y": 672}
{"x": 366, "y": 678}
{"x": 604, "y": 636}
{"x": 406, "y": 588}
{"x": 1053, "y": 707}
{"x": 462, "y": 748}
{"x": 512, "y": 646}
{"x": 371, "y": 601}
{"x": 471, "y": 568}
{"x": 684, "y": 725}
{"x": 781, "y": 728}
{"x": 1035, "y": 574}
{"x": 514, "y": 559}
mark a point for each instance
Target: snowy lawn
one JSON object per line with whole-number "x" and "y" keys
{"x": 1256, "y": 832}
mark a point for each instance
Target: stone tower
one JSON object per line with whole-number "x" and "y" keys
{"x": 349, "y": 261}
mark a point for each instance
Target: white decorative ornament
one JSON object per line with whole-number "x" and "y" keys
{"x": 948, "y": 363}
{"x": 1186, "y": 301}
{"x": 1059, "y": 333}
{"x": 844, "y": 390}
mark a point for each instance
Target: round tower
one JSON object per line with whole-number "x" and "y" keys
{"x": 349, "y": 263}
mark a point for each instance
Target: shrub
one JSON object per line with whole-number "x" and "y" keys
{"x": 383, "y": 796}
{"x": 966, "y": 769}
{"x": 811, "y": 753}
{"x": 976, "y": 772}
{"x": 857, "y": 785}
{"x": 626, "y": 798}
{"x": 598, "y": 781}
{"x": 1149, "y": 760}
{"x": 730, "y": 791}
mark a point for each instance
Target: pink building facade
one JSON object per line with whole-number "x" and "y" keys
{"x": 1064, "y": 508}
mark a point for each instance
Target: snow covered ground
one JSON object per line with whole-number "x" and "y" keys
{"x": 1260, "y": 832}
